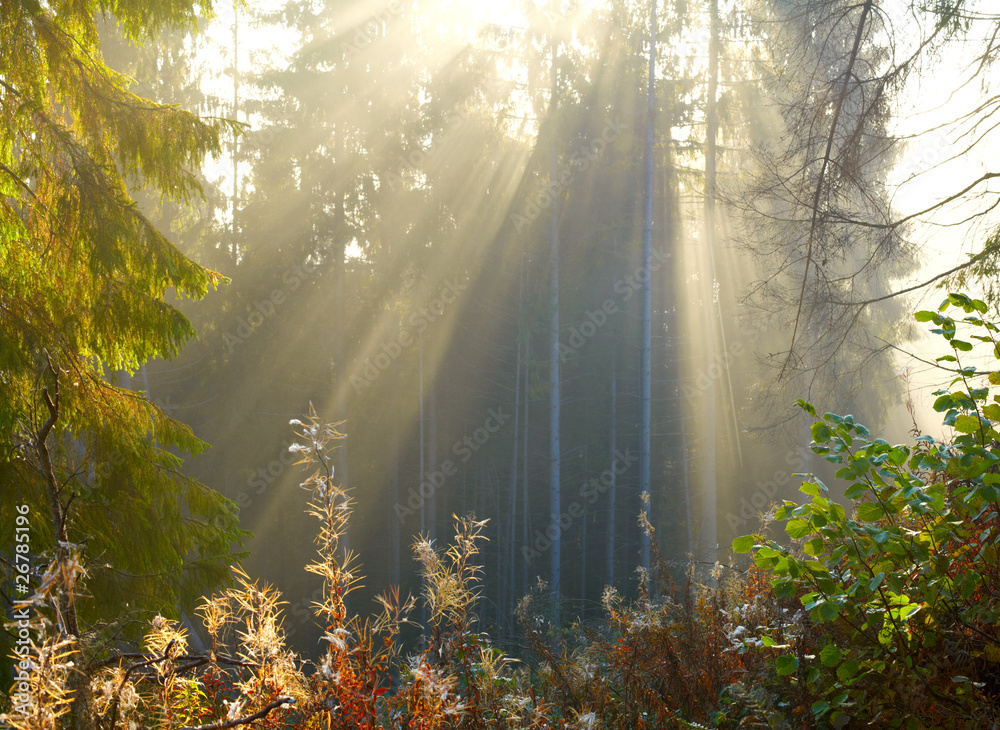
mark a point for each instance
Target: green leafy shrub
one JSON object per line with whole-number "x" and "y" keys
{"x": 900, "y": 622}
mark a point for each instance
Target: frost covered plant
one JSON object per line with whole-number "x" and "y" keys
{"x": 587, "y": 721}
{"x": 431, "y": 697}
{"x": 460, "y": 677}
{"x": 256, "y": 612}
{"x": 332, "y": 507}
{"x": 353, "y": 674}
{"x": 451, "y": 582}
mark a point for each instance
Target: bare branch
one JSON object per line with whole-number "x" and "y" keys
{"x": 975, "y": 259}
{"x": 267, "y": 709}
{"x": 848, "y": 74}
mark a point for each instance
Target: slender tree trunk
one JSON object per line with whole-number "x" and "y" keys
{"x": 512, "y": 513}
{"x": 708, "y": 537}
{"x": 58, "y": 512}
{"x": 555, "y": 554}
{"x": 583, "y": 555}
{"x": 613, "y": 487}
{"x": 339, "y": 357}
{"x": 395, "y": 528}
{"x": 502, "y": 513}
{"x": 420, "y": 476}
{"x": 671, "y": 231}
{"x": 647, "y": 296}
{"x": 525, "y": 509}
{"x": 432, "y": 457}
{"x": 420, "y": 399}
{"x": 236, "y": 112}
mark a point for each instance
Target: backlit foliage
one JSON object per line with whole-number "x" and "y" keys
{"x": 899, "y": 594}
{"x": 887, "y": 615}
{"x": 84, "y": 282}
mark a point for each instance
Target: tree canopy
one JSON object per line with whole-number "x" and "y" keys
{"x": 85, "y": 287}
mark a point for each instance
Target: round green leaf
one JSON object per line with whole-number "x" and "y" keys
{"x": 786, "y": 665}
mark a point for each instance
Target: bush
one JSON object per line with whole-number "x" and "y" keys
{"x": 900, "y": 623}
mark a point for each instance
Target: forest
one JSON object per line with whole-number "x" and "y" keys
{"x": 512, "y": 364}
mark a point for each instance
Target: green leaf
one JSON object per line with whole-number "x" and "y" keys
{"x": 806, "y": 406}
{"x": 786, "y": 665}
{"x": 967, "y": 424}
{"x": 813, "y": 547}
{"x": 830, "y": 655}
{"x": 870, "y": 511}
{"x": 943, "y": 403}
{"x": 899, "y": 455}
{"x": 743, "y": 544}
{"x": 828, "y": 611}
{"x": 820, "y": 708}
{"x": 847, "y": 671}
{"x": 960, "y": 300}
{"x": 798, "y": 528}
{"x": 925, "y": 316}
{"x": 876, "y": 581}
{"x": 820, "y": 432}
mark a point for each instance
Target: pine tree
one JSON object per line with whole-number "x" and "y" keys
{"x": 84, "y": 280}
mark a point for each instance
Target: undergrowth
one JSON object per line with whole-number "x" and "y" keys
{"x": 881, "y": 613}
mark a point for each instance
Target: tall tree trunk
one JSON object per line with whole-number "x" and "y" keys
{"x": 432, "y": 457}
{"x": 647, "y": 297}
{"x": 512, "y": 512}
{"x": 583, "y": 555}
{"x": 708, "y": 537}
{"x": 339, "y": 358}
{"x": 236, "y": 112}
{"x": 674, "y": 349}
{"x": 396, "y": 526}
{"x": 420, "y": 475}
{"x": 526, "y": 509}
{"x": 555, "y": 554}
{"x": 613, "y": 487}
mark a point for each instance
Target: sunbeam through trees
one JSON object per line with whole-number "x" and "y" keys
{"x": 547, "y": 312}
